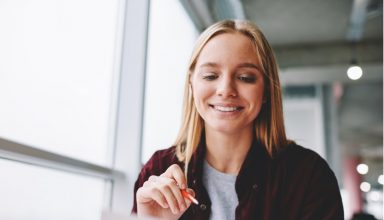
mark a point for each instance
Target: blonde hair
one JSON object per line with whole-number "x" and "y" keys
{"x": 268, "y": 125}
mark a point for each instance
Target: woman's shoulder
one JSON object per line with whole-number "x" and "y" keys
{"x": 160, "y": 161}
{"x": 311, "y": 181}
{"x": 296, "y": 157}
{"x": 166, "y": 153}
{"x": 297, "y": 152}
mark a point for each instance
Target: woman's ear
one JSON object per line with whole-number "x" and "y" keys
{"x": 190, "y": 83}
{"x": 190, "y": 88}
{"x": 190, "y": 78}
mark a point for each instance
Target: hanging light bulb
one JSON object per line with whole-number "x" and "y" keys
{"x": 354, "y": 72}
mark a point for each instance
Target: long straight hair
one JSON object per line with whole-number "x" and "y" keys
{"x": 268, "y": 125}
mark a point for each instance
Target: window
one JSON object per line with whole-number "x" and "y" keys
{"x": 58, "y": 87}
{"x": 169, "y": 48}
{"x": 57, "y": 73}
{"x": 35, "y": 193}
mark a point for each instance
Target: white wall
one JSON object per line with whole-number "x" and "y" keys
{"x": 304, "y": 123}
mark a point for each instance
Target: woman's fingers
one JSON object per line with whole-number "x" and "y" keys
{"x": 148, "y": 193}
{"x": 145, "y": 195}
{"x": 159, "y": 198}
{"x": 190, "y": 191}
{"x": 176, "y": 173}
{"x": 176, "y": 193}
{"x": 165, "y": 189}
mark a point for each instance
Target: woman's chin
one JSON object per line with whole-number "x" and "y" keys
{"x": 224, "y": 129}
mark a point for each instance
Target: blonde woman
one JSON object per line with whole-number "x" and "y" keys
{"x": 232, "y": 153}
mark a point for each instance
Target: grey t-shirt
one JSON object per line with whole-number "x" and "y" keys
{"x": 221, "y": 191}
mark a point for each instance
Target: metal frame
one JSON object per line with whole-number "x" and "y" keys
{"x": 26, "y": 154}
{"x": 130, "y": 104}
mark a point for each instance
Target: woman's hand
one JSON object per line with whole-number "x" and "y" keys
{"x": 160, "y": 196}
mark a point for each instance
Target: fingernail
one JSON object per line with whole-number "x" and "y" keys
{"x": 182, "y": 186}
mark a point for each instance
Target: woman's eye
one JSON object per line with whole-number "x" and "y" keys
{"x": 210, "y": 77}
{"x": 247, "y": 79}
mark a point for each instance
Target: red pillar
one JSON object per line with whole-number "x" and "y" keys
{"x": 352, "y": 180}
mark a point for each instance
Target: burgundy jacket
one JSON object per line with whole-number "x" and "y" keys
{"x": 296, "y": 184}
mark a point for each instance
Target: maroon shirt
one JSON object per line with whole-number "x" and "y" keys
{"x": 296, "y": 184}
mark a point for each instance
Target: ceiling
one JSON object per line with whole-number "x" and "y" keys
{"x": 310, "y": 22}
{"x": 314, "y": 42}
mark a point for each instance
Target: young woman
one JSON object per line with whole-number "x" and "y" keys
{"x": 232, "y": 153}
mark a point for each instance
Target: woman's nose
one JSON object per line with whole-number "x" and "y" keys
{"x": 226, "y": 87}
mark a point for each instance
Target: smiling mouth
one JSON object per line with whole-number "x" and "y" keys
{"x": 226, "y": 108}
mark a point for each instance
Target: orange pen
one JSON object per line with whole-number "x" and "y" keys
{"x": 189, "y": 196}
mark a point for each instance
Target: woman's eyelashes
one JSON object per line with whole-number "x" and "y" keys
{"x": 247, "y": 78}
{"x": 210, "y": 76}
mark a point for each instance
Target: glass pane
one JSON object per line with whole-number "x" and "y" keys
{"x": 35, "y": 193}
{"x": 170, "y": 45}
{"x": 56, "y": 73}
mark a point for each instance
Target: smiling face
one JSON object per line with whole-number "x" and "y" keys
{"x": 227, "y": 83}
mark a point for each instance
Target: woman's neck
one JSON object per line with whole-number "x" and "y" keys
{"x": 227, "y": 152}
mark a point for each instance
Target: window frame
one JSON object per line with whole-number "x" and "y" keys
{"x": 125, "y": 122}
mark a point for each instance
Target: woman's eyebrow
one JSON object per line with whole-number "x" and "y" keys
{"x": 241, "y": 65}
{"x": 209, "y": 64}
{"x": 249, "y": 65}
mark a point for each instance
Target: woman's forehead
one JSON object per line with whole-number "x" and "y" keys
{"x": 227, "y": 47}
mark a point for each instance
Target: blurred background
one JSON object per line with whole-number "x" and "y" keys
{"x": 90, "y": 89}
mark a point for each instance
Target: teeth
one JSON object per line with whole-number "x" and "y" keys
{"x": 225, "y": 109}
